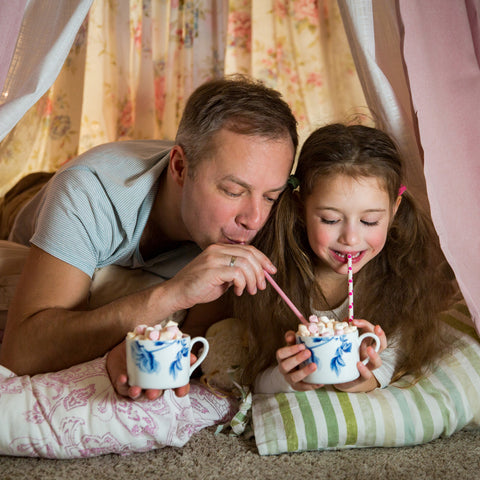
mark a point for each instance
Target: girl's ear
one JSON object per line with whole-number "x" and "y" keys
{"x": 178, "y": 165}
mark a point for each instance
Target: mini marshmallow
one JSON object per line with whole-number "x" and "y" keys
{"x": 313, "y": 329}
{"x": 140, "y": 329}
{"x": 328, "y": 332}
{"x": 326, "y": 327}
{"x": 154, "y": 334}
{"x": 167, "y": 330}
{"x": 303, "y": 331}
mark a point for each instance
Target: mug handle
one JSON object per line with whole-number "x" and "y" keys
{"x": 201, "y": 358}
{"x": 362, "y": 337}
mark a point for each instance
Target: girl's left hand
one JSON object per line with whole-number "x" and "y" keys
{"x": 366, "y": 381}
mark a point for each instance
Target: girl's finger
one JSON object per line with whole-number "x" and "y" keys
{"x": 291, "y": 363}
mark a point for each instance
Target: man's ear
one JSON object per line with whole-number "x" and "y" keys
{"x": 178, "y": 165}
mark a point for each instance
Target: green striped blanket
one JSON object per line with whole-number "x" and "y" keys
{"x": 441, "y": 403}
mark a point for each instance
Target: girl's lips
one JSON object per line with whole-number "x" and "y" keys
{"x": 342, "y": 256}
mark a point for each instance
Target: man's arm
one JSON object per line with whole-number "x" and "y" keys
{"x": 47, "y": 328}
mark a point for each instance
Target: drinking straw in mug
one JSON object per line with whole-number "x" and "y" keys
{"x": 285, "y": 298}
{"x": 350, "y": 288}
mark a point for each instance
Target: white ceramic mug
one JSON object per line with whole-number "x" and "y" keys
{"x": 336, "y": 357}
{"x": 162, "y": 364}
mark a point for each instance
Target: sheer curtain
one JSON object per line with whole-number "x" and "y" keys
{"x": 419, "y": 65}
{"x": 129, "y": 66}
{"x": 133, "y": 63}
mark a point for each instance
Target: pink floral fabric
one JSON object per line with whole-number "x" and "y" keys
{"x": 76, "y": 413}
{"x": 133, "y": 65}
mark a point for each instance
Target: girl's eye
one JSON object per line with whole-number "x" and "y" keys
{"x": 370, "y": 224}
{"x": 329, "y": 222}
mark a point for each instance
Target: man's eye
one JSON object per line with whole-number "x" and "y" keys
{"x": 231, "y": 194}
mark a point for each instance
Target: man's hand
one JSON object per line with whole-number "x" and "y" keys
{"x": 217, "y": 268}
{"x": 117, "y": 371}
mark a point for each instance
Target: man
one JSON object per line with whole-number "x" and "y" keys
{"x": 153, "y": 205}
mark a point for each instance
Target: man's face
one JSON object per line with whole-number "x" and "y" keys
{"x": 231, "y": 194}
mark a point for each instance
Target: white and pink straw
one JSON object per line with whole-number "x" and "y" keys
{"x": 350, "y": 287}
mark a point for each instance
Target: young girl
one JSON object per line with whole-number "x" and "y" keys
{"x": 350, "y": 200}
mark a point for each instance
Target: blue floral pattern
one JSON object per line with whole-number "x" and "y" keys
{"x": 145, "y": 359}
{"x": 337, "y": 361}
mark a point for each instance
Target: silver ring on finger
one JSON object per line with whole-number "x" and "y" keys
{"x": 232, "y": 261}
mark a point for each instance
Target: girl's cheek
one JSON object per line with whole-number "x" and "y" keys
{"x": 377, "y": 240}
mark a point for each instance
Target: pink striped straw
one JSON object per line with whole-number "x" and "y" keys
{"x": 350, "y": 288}
{"x": 285, "y": 298}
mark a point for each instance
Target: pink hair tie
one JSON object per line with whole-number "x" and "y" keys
{"x": 401, "y": 190}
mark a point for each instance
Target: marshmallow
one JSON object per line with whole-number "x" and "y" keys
{"x": 326, "y": 327}
{"x": 161, "y": 332}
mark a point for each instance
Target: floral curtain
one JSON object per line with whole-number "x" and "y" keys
{"x": 134, "y": 63}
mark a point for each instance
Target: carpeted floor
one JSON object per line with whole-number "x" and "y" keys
{"x": 211, "y": 457}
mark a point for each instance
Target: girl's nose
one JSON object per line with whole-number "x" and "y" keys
{"x": 349, "y": 235}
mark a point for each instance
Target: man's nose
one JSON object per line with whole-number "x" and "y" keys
{"x": 253, "y": 214}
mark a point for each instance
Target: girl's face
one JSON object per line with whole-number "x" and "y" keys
{"x": 345, "y": 215}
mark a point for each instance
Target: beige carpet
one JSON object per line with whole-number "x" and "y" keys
{"x": 211, "y": 457}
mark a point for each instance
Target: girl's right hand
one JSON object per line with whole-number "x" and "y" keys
{"x": 289, "y": 359}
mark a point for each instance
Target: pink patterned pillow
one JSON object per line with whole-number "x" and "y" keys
{"x": 76, "y": 413}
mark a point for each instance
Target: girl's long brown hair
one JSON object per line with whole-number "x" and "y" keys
{"x": 402, "y": 289}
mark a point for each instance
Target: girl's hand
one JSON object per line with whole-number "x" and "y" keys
{"x": 366, "y": 381}
{"x": 289, "y": 359}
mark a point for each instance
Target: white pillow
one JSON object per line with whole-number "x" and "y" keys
{"x": 76, "y": 413}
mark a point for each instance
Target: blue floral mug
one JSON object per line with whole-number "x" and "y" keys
{"x": 162, "y": 364}
{"x": 336, "y": 357}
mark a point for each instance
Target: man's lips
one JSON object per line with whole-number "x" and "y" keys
{"x": 234, "y": 241}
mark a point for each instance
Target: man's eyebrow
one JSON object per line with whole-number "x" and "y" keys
{"x": 238, "y": 181}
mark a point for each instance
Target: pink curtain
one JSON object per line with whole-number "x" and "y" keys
{"x": 442, "y": 59}
{"x": 10, "y": 22}
{"x": 418, "y": 63}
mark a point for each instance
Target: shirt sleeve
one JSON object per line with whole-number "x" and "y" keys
{"x": 75, "y": 220}
{"x": 384, "y": 373}
{"x": 271, "y": 381}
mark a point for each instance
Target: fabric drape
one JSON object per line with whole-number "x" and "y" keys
{"x": 418, "y": 63}
{"x": 134, "y": 63}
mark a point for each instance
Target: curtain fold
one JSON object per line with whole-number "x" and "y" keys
{"x": 442, "y": 57}
{"x": 45, "y": 37}
{"x": 418, "y": 63}
{"x": 10, "y": 22}
{"x": 375, "y": 40}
